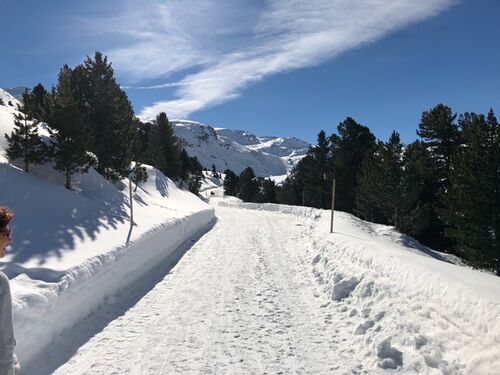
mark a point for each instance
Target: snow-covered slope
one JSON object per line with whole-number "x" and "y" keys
{"x": 6, "y": 120}
{"x": 72, "y": 249}
{"x": 237, "y": 149}
{"x": 16, "y": 92}
{"x": 284, "y": 147}
{"x": 7, "y": 96}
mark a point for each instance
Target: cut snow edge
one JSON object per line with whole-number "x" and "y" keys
{"x": 86, "y": 286}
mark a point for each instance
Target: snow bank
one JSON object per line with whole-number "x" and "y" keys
{"x": 74, "y": 248}
{"x": 410, "y": 307}
{"x": 272, "y": 207}
{"x": 42, "y": 313}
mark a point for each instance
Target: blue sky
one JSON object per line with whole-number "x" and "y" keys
{"x": 273, "y": 67}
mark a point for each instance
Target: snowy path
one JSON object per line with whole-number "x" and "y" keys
{"x": 240, "y": 301}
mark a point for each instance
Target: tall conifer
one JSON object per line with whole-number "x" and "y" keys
{"x": 70, "y": 138}
{"x": 231, "y": 183}
{"x": 248, "y": 186}
{"x": 473, "y": 201}
{"x": 352, "y": 144}
{"x": 108, "y": 114}
{"x": 165, "y": 147}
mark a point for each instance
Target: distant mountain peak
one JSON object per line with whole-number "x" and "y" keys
{"x": 17, "y": 92}
{"x": 237, "y": 149}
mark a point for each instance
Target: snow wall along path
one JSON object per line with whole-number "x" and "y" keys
{"x": 396, "y": 293}
{"x": 83, "y": 288}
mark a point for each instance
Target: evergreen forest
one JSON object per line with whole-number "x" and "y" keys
{"x": 443, "y": 189}
{"x": 92, "y": 123}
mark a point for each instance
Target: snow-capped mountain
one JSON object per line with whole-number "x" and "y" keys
{"x": 8, "y": 97}
{"x": 237, "y": 149}
{"x": 17, "y": 92}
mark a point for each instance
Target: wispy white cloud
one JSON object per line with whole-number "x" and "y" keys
{"x": 160, "y": 86}
{"x": 239, "y": 44}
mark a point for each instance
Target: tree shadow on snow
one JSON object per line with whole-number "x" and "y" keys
{"x": 49, "y": 219}
{"x": 393, "y": 235}
{"x": 66, "y": 344}
{"x": 161, "y": 183}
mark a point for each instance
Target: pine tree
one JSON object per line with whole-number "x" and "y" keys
{"x": 248, "y": 186}
{"x": 310, "y": 182}
{"x": 442, "y": 137}
{"x": 2, "y": 102}
{"x": 310, "y": 179}
{"x": 379, "y": 190}
{"x": 138, "y": 175}
{"x": 291, "y": 191}
{"x": 165, "y": 147}
{"x": 392, "y": 174}
{"x": 70, "y": 138}
{"x": 321, "y": 154}
{"x": 420, "y": 197}
{"x": 231, "y": 183}
{"x": 24, "y": 142}
{"x": 352, "y": 144}
{"x": 268, "y": 192}
{"x": 473, "y": 200}
{"x": 195, "y": 175}
{"x": 37, "y": 103}
{"x": 108, "y": 115}
{"x": 214, "y": 171}
{"x": 440, "y": 132}
{"x": 368, "y": 194}
{"x": 184, "y": 165}
{"x": 143, "y": 142}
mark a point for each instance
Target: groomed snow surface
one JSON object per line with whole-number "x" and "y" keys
{"x": 269, "y": 290}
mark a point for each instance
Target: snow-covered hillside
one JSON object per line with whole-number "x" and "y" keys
{"x": 237, "y": 149}
{"x": 16, "y": 92}
{"x": 6, "y": 120}
{"x": 291, "y": 149}
{"x": 72, "y": 249}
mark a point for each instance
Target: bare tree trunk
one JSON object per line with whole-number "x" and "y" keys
{"x": 68, "y": 180}
{"x": 333, "y": 206}
{"x": 497, "y": 244}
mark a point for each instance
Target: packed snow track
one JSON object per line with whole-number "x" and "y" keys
{"x": 240, "y": 301}
{"x": 274, "y": 293}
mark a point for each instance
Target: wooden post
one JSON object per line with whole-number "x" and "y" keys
{"x": 333, "y": 206}
{"x": 131, "y": 201}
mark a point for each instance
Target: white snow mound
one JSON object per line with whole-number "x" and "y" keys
{"x": 411, "y": 308}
